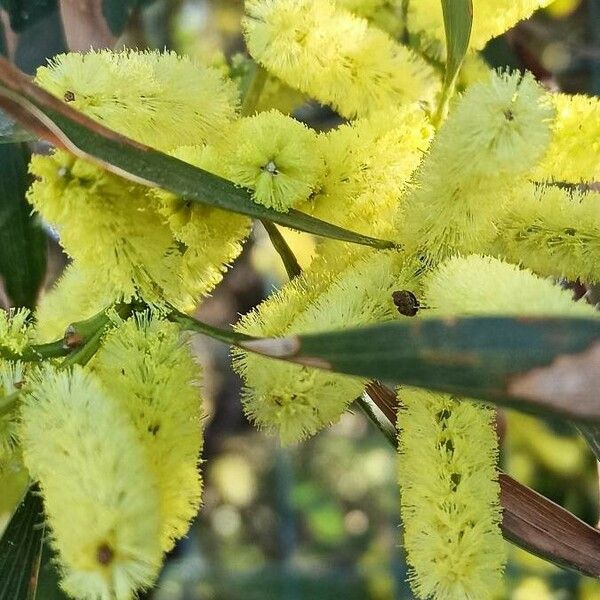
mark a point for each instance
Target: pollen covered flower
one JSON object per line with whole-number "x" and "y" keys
{"x": 574, "y": 153}
{"x": 335, "y": 57}
{"x": 294, "y": 400}
{"x": 208, "y": 239}
{"x": 449, "y": 496}
{"x": 277, "y": 157}
{"x": 157, "y": 98}
{"x": 494, "y": 135}
{"x": 554, "y": 232}
{"x": 368, "y": 165}
{"x": 106, "y": 223}
{"x": 146, "y": 366}
{"x": 99, "y": 496}
{"x": 476, "y": 284}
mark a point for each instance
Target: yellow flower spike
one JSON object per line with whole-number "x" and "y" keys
{"x": 553, "y": 231}
{"x": 209, "y": 239}
{"x": 297, "y": 401}
{"x": 335, "y": 57}
{"x": 494, "y": 135}
{"x": 484, "y": 285}
{"x": 449, "y": 496}
{"x": 99, "y": 496}
{"x": 108, "y": 226}
{"x": 450, "y": 509}
{"x": 491, "y": 18}
{"x": 146, "y": 366}
{"x": 368, "y": 166}
{"x": 574, "y": 153}
{"x": 160, "y": 99}
{"x": 277, "y": 157}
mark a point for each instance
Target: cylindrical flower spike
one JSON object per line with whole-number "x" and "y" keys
{"x": 145, "y": 365}
{"x": 108, "y": 226}
{"x": 494, "y": 135}
{"x": 553, "y": 231}
{"x": 574, "y": 153}
{"x": 160, "y": 99}
{"x": 334, "y": 56}
{"x": 367, "y": 167}
{"x": 449, "y": 496}
{"x": 450, "y": 509}
{"x": 490, "y": 19}
{"x": 298, "y": 401}
{"x": 100, "y": 497}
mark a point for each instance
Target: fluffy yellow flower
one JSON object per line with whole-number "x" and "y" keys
{"x": 554, "y": 232}
{"x": 208, "y": 239}
{"x": 100, "y": 498}
{"x": 148, "y": 369}
{"x": 484, "y": 285}
{"x": 368, "y": 164}
{"x": 574, "y": 153}
{"x": 277, "y": 157}
{"x": 160, "y": 99}
{"x": 449, "y": 496}
{"x": 385, "y": 14}
{"x": 494, "y": 135}
{"x": 298, "y": 401}
{"x": 107, "y": 225}
{"x": 334, "y": 56}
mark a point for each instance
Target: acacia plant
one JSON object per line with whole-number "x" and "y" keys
{"x": 442, "y": 216}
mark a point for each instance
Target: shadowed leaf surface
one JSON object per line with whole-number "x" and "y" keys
{"x": 20, "y": 550}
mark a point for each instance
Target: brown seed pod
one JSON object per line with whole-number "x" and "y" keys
{"x": 406, "y": 303}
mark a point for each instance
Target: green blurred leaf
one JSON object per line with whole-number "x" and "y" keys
{"x": 542, "y": 365}
{"x": 23, "y": 13}
{"x": 22, "y": 240}
{"x": 20, "y": 550}
{"x": 48, "y": 581}
{"x": 66, "y": 128}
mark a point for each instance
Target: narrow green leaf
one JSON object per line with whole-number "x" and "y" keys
{"x": 536, "y": 364}
{"x": 22, "y": 239}
{"x": 458, "y": 21}
{"x": 12, "y": 132}
{"x": 61, "y": 125}
{"x": 20, "y": 550}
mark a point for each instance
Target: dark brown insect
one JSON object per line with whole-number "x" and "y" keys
{"x": 69, "y": 96}
{"x": 72, "y": 338}
{"x": 406, "y": 303}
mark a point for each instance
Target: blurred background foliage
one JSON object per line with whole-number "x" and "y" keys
{"x": 319, "y": 520}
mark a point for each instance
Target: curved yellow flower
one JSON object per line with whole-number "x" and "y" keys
{"x": 335, "y": 57}
{"x": 99, "y": 495}
{"x": 148, "y": 369}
